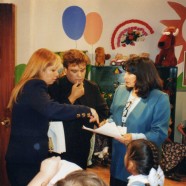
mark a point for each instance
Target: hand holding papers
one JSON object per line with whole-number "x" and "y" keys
{"x": 109, "y": 129}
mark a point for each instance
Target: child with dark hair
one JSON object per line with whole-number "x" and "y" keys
{"x": 142, "y": 161}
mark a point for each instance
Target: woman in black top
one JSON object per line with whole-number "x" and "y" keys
{"x": 32, "y": 109}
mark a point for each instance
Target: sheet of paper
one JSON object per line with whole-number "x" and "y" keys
{"x": 57, "y": 136}
{"x": 108, "y": 129}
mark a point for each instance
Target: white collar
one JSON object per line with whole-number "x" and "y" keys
{"x": 139, "y": 177}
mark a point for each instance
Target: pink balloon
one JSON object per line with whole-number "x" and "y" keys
{"x": 93, "y": 28}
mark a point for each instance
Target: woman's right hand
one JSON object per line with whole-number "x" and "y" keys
{"x": 94, "y": 116}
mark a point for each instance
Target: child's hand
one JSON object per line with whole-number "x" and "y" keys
{"x": 50, "y": 166}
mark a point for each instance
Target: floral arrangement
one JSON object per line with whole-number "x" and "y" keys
{"x": 129, "y": 32}
{"x": 132, "y": 35}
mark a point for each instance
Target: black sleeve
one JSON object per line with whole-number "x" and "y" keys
{"x": 35, "y": 95}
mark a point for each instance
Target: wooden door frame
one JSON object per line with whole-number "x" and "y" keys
{"x": 7, "y": 63}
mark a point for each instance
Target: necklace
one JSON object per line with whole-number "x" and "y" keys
{"x": 129, "y": 106}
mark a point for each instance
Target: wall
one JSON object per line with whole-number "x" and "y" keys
{"x": 180, "y": 112}
{"x": 39, "y": 24}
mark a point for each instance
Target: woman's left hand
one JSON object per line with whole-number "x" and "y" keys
{"x": 125, "y": 139}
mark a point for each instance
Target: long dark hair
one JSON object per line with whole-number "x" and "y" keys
{"x": 147, "y": 77}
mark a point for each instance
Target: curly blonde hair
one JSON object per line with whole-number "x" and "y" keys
{"x": 81, "y": 178}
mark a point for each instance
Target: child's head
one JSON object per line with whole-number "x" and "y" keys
{"x": 81, "y": 178}
{"x": 141, "y": 156}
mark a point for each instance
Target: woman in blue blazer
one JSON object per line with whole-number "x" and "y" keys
{"x": 32, "y": 109}
{"x": 141, "y": 108}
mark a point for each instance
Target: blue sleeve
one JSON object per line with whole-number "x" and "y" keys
{"x": 160, "y": 121}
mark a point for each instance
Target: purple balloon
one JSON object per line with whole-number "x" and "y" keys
{"x": 73, "y": 22}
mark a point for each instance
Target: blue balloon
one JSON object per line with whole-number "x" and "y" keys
{"x": 73, "y": 21}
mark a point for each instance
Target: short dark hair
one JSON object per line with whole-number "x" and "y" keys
{"x": 74, "y": 56}
{"x": 147, "y": 77}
